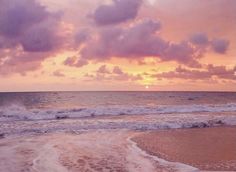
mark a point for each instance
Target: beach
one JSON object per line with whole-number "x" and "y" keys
{"x": 86, "y": 151}
{"x": 212, "y": 149}
{"x": 167, "y": 150}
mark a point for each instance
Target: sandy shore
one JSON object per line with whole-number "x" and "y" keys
{"x": 93, "y": 151}
{"x": 205, "y": 148}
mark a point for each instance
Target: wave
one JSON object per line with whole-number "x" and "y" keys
{"x": 18, "y": 112}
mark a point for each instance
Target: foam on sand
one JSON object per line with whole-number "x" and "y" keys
{"x": 92, "y": 151}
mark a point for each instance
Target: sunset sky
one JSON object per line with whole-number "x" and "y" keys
{"x": 87, "y": 45}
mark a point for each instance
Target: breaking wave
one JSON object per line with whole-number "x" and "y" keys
{"x": 18, "y": 112}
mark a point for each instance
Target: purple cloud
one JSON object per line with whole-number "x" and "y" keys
{"x": 29, "y": 33}
{"x": 117, "y": 12}
{"x": 29, "y": 24}
{"x": 81, "y": 37}
{"x": 183, "y": 53}
{"x": 220, "y": 45}
{"x": 199, "y": 39}
{"x": 142, "y": 39}
{"x": 38, "y": 40}
{"x": 137, "y": 42}
{"x": 16, "y": 16}
{"x": 115, "y": 41}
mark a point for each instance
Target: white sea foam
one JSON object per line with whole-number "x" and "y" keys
{"x": 18, "y": 112}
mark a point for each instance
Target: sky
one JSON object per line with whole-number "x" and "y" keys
{"x": 152, "y": 45}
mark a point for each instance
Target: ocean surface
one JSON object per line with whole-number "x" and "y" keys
{"x": 51, "y": 105}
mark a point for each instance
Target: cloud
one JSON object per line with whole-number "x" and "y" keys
{"x": 199, "y": 39}
{"x": 206, "y": 73}
{"x": 183, "y": 53}
{"x": 103, "y": 69}
{"x": 220, "y": 45}
{"x": 75, "y": 62}
{"x": 28, "y": 35}
{"x": 38, "y": 40}
{"x": 103, "y": 73}
{"x": 117, "y": 12}
{"x": 18, "y": 61}
{"x": 138, "y": 41}
{"x": 17, "y": 16}
{"x": 81, "y": 37}
{"x": 31, "y": 32}
{"x": 126, "y": 42}
{"x": 58, "y": 73}
{"x": 28, "y": 24}
{"x": 117, "y": 70}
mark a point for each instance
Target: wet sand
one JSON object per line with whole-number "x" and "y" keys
{"x": 205, "y": 148}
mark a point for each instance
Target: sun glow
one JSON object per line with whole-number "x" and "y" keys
{"x": 152, "y": 2}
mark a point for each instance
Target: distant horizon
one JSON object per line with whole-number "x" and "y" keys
{"x": 45, "y": 91}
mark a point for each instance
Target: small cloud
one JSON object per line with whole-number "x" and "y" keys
{"x": 117, "y": 70}
{"x": 58, "y": 73}
{"x": 75, "y": 62}
{"x": 103, "y": 69}
{"x": 220, "y": 45}
{"x": 199, "y": 39}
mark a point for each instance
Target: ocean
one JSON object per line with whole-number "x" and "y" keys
{"x": 49, "y": 105}
{"x": 114, "y": 131}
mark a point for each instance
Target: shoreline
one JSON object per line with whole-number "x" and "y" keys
{"x": 100, "y": 150}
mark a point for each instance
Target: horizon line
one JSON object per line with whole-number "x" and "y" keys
{"x": 44, "y": 91}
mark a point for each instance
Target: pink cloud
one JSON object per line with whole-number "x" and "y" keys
{"x": 104, "y": 73}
